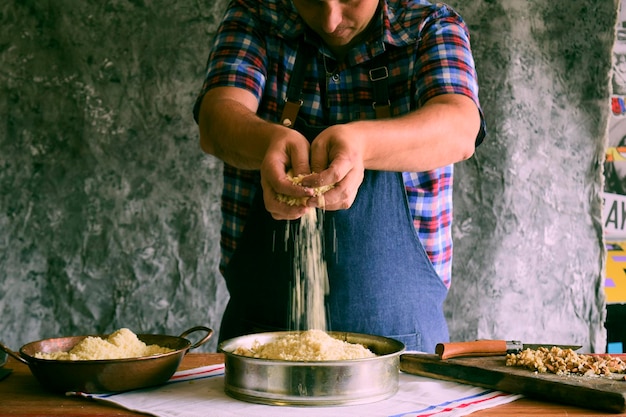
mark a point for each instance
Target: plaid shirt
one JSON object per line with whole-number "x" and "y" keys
{"x": 428, "y": 53}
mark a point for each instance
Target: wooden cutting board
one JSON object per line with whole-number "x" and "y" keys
{"x": 599, "y": 393}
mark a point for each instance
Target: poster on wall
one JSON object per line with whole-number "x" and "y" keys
{"x": 614, "y": 213}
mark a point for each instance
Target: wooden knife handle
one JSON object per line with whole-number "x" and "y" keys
{"x": 475, "y": 348}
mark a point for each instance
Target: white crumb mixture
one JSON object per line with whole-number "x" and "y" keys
{"x": 121, "y": 344}
{"x": 310, "y": 345}
{"x": 293, "y": 201}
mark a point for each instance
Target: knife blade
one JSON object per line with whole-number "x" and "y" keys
{"x": 489, "y": 348}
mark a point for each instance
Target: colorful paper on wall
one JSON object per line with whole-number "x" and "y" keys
{"x": 614, "y": 212}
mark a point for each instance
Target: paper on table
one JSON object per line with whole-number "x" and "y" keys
{"x": 199, "y": 392}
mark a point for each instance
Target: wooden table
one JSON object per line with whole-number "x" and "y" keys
{"x": 21, "y": 395}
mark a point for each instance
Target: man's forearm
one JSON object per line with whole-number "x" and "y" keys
{"x": 441, "y": 133}
{"x": 231, "y": 131}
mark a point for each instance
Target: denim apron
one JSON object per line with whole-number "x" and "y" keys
{"x": 381, "y": 280}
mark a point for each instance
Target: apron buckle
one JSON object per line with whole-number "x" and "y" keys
{"x": 378, "y": 74}
{"x": 290, "y": 112}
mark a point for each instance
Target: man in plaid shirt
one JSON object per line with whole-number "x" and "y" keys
{"x": 386, "y": 100}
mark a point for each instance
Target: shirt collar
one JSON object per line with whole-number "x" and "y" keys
{"x": 390, "y": 27}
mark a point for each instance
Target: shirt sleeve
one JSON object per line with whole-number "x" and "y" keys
{"x": 445, "y": 64}
{"x": 238, "y": 55}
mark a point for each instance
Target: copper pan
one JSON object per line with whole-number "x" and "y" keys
{"x": 110, "y": 375}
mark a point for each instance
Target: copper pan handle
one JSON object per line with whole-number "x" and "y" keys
{"x": 209, "y": 333}
{"x": 13, "y": 354}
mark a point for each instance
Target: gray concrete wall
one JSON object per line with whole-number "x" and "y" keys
{"x": 109, "y": 211}
{"x": 530, "y": 260}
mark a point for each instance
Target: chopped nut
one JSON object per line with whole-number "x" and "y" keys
{"x": 566, "y": 362}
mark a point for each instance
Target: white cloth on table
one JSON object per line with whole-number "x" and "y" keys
{"x": 199, "y": 392}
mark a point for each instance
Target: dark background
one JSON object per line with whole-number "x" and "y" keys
{"x": 109, "y": 211}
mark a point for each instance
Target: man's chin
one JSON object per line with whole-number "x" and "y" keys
{"x": 336, "y": 44}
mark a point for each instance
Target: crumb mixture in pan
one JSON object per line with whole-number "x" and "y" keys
{"x": 121, "y": 344}
{"x": 310, "y": 345}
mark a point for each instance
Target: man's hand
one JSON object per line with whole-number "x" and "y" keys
{"x": 288, "y": 154}
{"x": 231, "y": 131}
{"x": 337, "y": 157}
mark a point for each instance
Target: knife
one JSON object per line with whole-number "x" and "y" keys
{"x": 489, "y": 348}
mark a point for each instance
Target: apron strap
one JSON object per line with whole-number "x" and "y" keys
{"x": 378, "y": 74}
{"x": 293, "y": 102}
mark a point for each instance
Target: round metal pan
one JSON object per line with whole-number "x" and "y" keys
{"x": 110, "y": 375}
{"x": 315, "y": 383}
